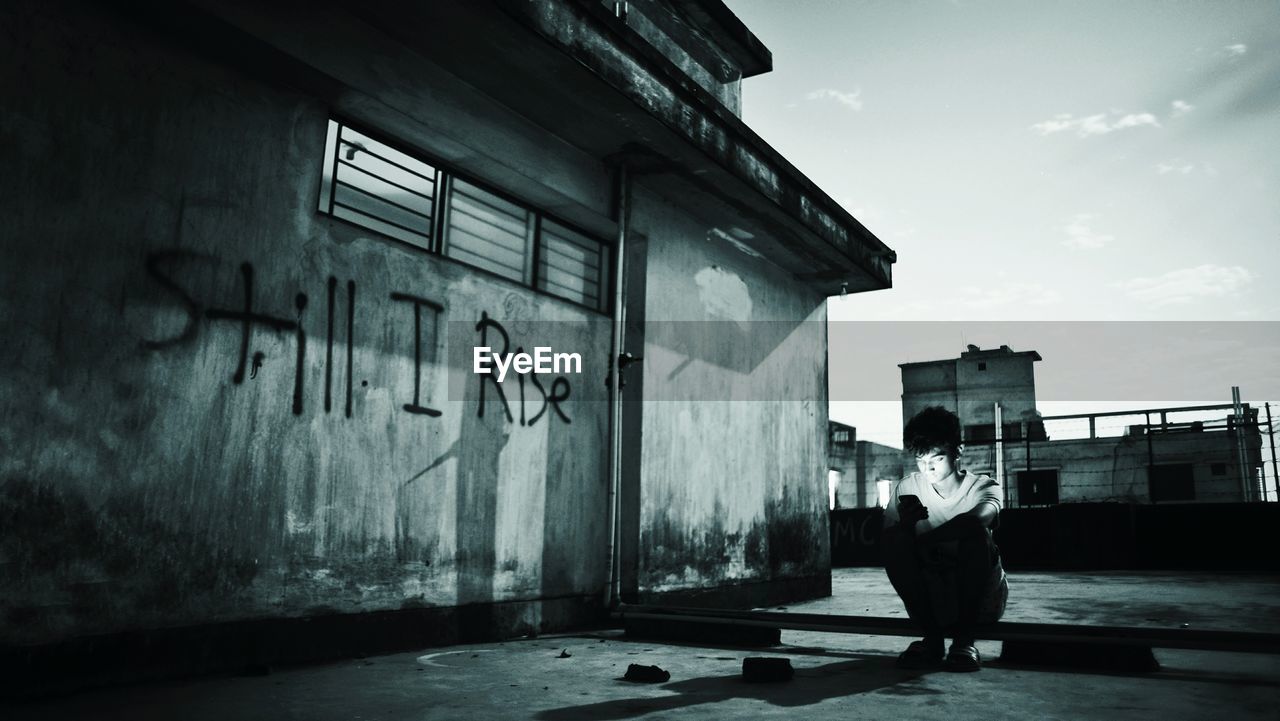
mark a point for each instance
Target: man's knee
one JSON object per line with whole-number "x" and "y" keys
{"x": 976, "y": 544}
{"x": 897, "y": 546}
{"x": 975, "y": 536}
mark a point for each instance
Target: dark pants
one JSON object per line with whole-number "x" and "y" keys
{"x": 917, "y": 570}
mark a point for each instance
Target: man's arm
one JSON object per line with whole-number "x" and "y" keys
{"x": 889, "y": 518}
{"x": 980, "y": 516}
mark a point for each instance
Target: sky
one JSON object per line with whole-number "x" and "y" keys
{"x": 1038, "y": 162}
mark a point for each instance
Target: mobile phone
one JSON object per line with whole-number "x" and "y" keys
{"x": 909, "y": 500}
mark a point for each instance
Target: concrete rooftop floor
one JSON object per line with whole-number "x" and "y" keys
{"x": 838, "y": 676}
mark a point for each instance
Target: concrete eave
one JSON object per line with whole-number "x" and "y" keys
{"x": 832, "y": 250}
{"x": 572, "y": 68}
{"x": 596, "y": 84}
{"x": 718, "y": 21}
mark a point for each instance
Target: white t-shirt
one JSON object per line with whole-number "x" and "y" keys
{"x": 973, "y": 490}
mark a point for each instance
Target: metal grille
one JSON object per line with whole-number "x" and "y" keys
{"x": 489, "y": 232}
{"x": 373, "y": 185}
{"x": 378, "y": 187}
{"x": 572, "y": 265}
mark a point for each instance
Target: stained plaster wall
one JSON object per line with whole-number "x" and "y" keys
{"x": 1115, "y": 469}
{"x": 931, "y": 384}
{"x": 161, "y": 467}
{"x": 874, "y": 462}
{"x": 734, "y": 434}
{"x": 1008, "y": 379}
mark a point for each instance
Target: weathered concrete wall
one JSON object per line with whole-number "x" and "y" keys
{"x": 1115, "y": 469}
{"x": 960, "y": 387}
{"x": 842, "y": 458}
{"x": 1009, "y": 380}
{"x": 874, "y": 462}
{"x": 188, "y": 438}
{"x": 732, "y": 491}
{"x": 924, "y": 385}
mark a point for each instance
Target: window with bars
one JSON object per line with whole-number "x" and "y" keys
{"x": 376, "y": 186}
{"x": 572, "y": 265}
{"x": 489, "y": 232}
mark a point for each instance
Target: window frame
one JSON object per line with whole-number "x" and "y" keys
{"x": 437, "y": 244}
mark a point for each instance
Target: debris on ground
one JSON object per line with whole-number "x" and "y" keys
{"x": 646, "y": 674}
{"x": 759, "y": 669}
{"x": 565, "y": 654}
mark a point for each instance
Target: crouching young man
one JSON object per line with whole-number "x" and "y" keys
{"x": 937, "y": 546}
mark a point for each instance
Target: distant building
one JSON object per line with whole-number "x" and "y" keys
{"x": 1161, "y": 461}
{"x": 1155, "y": 458}
{"x": 971, "y": 385}
{"x": 842, "y": 441}
{"x": 861, "y": 473}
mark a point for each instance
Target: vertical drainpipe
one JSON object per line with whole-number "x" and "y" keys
{"x": 613, "y": 587}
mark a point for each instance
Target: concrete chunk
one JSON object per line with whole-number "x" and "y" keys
{"x": 646, "y": 674}
{"x": 758, "y": 669}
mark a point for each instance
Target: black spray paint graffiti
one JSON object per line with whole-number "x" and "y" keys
{"x": 560, "y": 387}
{"x": 436, "y": 310}
{"x": 328, "y": 353}
{"x": 188, "y": 332}
{"x": 248, "y": 318}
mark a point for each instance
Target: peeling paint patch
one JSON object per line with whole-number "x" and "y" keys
{"x": 731, "y": 240}
{"x": 723, "y": 294}
{"x": 295, "y": 524}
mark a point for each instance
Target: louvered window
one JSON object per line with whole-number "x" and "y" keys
{"x": 489, "y": 232}
{"x": 376, "y": 186}
{"x": 573, "y": 266}
{"x": 395, "y": 192}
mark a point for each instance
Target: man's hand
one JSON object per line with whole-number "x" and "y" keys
{"x": 912, "y": 513}
{"x": 978, "y": 519}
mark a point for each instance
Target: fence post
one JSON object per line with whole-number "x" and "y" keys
{"x": 1151, "y": 458}
{"x": 1238, "y": 437}
{"x": 1271, "y": 435}
{"x": 1028, "y": 461}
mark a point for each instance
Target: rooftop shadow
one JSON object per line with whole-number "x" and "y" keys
{"x": 810, "y": 685}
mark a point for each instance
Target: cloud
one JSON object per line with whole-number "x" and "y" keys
{"x": 1236, "y": 50}
{"x": 1081, "y": 235}
{"x": 1006, "y": 294}
{"x": 1180, "y": 108}
{"x": 853, "y": 100}
{"x": 1176, "y": 165}
{"x": 1135, "y": 120}
{"x": 1186, "y": 167}
{"x": 1099, "y": 124}
{"x": 1189, "y": 284}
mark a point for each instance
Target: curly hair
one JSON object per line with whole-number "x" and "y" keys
{"x": 933, "y": 427}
